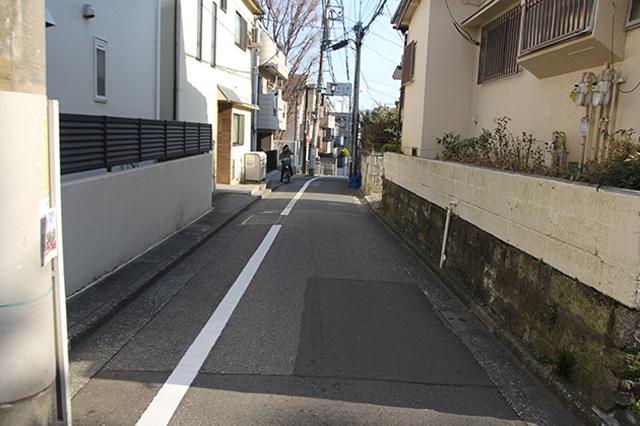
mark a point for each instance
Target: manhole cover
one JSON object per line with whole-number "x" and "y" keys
{"x": 264, "y": 219}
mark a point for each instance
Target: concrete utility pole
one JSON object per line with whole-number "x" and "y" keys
{"x": 316, "y": 109}
{"x": 27, "y": 336}
{"x": 355, "y": 122}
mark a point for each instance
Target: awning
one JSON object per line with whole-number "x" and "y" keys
{"x": 229, "y": 95}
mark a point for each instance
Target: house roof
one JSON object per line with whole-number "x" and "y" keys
{"x": 488, "y": 11}
{"x": 254, "y": 6}
{"x": 403, "y": 14}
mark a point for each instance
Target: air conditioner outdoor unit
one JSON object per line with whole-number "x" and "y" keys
{"x": 255, "y": 37}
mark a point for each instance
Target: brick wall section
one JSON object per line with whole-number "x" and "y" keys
{"x": 554, "y": 314}
{"x": 224, "y": 143}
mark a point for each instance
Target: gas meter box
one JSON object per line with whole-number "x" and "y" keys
{"x": 255, "y": 166}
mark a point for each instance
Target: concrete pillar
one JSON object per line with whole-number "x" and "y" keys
{"x": 27, "y": 339}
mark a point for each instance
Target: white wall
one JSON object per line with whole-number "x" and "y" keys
{"x": 129, "y": 27}
{"x": 199, "y": 80}
{"x": 110, "y": 219}
{"x": 588, "y": 233}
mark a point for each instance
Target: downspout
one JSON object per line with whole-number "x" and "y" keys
{"x": 176, "y": 63}
{"x": 452, "y": 203}
{"x": 254, "y": 114}
{"x": 158, "y": 56}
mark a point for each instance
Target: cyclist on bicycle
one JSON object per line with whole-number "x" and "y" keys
{"x": 285, "y": 157}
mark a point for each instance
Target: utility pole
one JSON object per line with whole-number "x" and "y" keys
{"x": 316, "y": 109}
{"x": 28, "y": 349}
{"x": 355, "y": 121}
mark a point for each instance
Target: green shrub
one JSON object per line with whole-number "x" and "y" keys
{"x": 390, "y": 147}
{"x": 498, "y": 149}
{"x": 622, "y": 167}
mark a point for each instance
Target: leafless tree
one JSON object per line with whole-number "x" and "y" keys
{"x": 295, "y": 27}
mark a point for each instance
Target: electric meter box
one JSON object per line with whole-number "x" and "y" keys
{"x": 255, "y": 166}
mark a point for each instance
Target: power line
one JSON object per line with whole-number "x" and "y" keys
{"x": 381, "y": 55}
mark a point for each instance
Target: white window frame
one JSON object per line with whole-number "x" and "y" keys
{"x": 240, "y": 36}
{"x": 636, "y": 22}
{"x": 199, "y": 30}
{"x": 214, "y": 32}
{"x": 238, "y": 131}
{"x": 100, "y": 45}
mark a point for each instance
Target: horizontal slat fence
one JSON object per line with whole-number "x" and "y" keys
{"x": 89, "y": 142}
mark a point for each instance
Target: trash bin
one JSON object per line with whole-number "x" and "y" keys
{"x": 255, "y": 166}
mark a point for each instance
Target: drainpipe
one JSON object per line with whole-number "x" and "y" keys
{"x": 176, "y": 60}
{"x": 452, "y": 203}
{"x": 158, "y": 56}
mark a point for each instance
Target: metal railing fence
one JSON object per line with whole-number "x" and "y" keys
{"x": 548, "y": 21}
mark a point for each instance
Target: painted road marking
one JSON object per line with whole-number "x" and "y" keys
{"x": 295, "y": 199}
{"x": 165, "y": 403}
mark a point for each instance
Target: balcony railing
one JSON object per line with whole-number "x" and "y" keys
{"x": 545, "y": 22}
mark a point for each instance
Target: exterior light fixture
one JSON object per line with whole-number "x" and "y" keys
{"x": 88, "y": 11}
{"x": 339, "y": 45}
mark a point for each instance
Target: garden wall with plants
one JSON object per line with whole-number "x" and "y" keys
{"x": 557, "y": 261}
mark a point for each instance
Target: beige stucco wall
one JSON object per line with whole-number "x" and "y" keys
{"x": 446, "y": 74}
{"x": 438, "y": 100}
{"x": 109, "y": 219}
{"x": 542, "y": 106}
{"x": 587, "y": 233}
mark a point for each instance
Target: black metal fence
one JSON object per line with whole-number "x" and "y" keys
{"x": 272, "y": 160}
{"x": 89, "y": 142}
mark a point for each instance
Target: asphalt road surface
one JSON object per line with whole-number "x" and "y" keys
{"x": 305, "y": 310}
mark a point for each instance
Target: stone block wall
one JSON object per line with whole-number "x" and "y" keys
{"x": 372, "y": 172}
{"x": 589, "y": 337}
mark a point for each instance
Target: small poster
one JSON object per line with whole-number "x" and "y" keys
{"x": 49, "y": 236}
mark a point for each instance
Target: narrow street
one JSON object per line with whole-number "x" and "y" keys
{"x": 330, "y": 320}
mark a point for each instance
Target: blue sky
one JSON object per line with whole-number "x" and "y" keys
{"x": 381, "y": 53}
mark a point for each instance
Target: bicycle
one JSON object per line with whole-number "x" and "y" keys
{"x": 287, "y": 171}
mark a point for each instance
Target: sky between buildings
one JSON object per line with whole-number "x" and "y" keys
{"x": 381, "y": 53}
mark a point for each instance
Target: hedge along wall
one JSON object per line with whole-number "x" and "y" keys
{"x": 556, "y": 260}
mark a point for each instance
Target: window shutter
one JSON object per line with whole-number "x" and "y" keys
{"x": 408, "y": 63}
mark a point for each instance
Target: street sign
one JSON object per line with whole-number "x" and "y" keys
{"x": 338, "y": 89}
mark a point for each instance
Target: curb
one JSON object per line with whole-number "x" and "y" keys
{"x": 578, "y": 405}
{"x": 80, "y": 331}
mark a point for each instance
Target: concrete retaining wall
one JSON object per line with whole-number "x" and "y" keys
{"x": 556, "y": 261}
{"x": 589, "y": 234}
{"x": 109, "y": 219}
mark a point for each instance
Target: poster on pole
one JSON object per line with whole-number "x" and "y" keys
{"x": 49, "y": 236}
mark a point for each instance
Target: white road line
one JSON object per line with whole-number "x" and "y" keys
{"x": 292, "y": 203}
{"x": 161, "y": 409}
{"x": 165, "y": 403}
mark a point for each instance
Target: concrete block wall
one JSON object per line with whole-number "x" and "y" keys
{"x": 588, "y": 233}
{"x": 109, "y": 219}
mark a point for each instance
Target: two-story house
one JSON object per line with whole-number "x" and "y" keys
{"x": 521, "y": 59}
{"x": 209, "y": 73}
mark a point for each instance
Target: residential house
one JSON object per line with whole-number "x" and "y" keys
{"x": 212, "y": 78}
{"x": 554, "y": 259}
{"x": 273, "y": 71}
{"x": 129, "y": 178}
{"x": 529, "y": 57}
